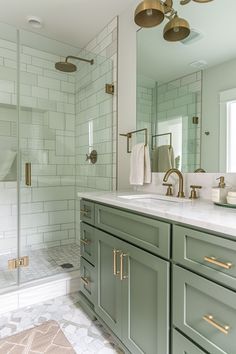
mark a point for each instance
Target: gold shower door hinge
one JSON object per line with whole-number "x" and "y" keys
{"x": 18, "y": 262}
{"x": 110, "y": 89}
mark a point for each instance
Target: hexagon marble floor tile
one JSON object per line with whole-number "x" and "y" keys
{"x": 86, "y": 336}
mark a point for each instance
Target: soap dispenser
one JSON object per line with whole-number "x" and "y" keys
{"x": 220, "y": 192}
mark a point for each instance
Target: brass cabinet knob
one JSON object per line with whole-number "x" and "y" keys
{"x": 193, "y": 194}
{"x": 169, "y": 191}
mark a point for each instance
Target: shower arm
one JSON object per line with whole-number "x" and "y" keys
{"x": 81, "y": 59}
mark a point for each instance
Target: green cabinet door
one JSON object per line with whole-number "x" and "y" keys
{"x": 145, "y": 302}
{"x": 182, "y": 345}
{"x": 109, "y": 285}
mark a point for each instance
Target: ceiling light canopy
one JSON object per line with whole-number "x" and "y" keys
{"x": 151, "y": 13}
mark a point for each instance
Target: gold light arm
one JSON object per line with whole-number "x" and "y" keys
{"x": 210, "y": 319}
{"x": 214, "y": 261}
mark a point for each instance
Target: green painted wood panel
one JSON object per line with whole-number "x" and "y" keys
{"x": 87, "y": 211}
{"x": 88, "y": 282}
{"x": 87, "y": 242}
{"x": 191, "y": 246}
{"x": 150, "y": 234}
{"x": 145, "y": 302}
{"x": 109, "y": 300}
{"x": 182, "y": 345}
{"x": 195, "y": 297}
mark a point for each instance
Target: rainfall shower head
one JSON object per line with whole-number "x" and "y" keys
{"x": 67, "y": 67}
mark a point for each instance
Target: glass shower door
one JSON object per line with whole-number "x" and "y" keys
{"x": 8, "y": 157}
{"x": 47, "y": 145}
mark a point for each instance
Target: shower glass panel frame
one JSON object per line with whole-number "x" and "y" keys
{"x": 60, "y": 117}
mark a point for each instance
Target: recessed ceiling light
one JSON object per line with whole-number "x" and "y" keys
{"x": 199, "y": 64}
{"x": 34, "y": 21}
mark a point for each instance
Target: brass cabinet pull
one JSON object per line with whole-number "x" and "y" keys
{"x": 84, "y": 212}
{"x": 28, "y": 174}
{"x": 210, "y": 319}
{"x": 115, "y": 271}
{"x": 214, "y": 261}
{"x": 85, "y": 280}
{"x": 122, "y": 276}
{"x": 85, "y": 241}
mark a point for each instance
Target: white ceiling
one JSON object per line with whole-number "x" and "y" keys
{"x": 72, "y": 21}
{"x": 163, "y": 61}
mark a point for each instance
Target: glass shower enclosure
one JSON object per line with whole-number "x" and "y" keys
{"x": 49, "y": 121}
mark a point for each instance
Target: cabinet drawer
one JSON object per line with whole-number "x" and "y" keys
{"x": 87, "y": 242}
{"x": 204, "y": 311}
{"x": 182, "y": 345}
{"x": 147, "y": 233}
{"x": 88, "y": 280}
{"x": 87, "y": 211}
{"x": 195, "y": 249}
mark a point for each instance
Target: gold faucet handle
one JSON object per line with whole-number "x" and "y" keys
{"x": 169, "y": 191}
{"x": 193, "y": 194}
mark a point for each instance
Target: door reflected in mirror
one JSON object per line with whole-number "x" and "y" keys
{"x": 181, "y": 92}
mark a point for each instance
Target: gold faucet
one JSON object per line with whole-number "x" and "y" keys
{"x": 181, "y": 181}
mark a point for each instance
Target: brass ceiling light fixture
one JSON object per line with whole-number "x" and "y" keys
{"x": 151, "y": 13}
{"x": 176, "y": 29}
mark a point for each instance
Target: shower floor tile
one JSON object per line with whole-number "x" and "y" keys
{"x": 42, "y": 263}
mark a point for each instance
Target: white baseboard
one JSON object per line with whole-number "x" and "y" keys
{"x": 38, "y": 291}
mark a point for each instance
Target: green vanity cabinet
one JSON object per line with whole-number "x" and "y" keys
{"x": 182, "y": 345}
{"x": 204, "y": 311}
{"x": 133, "y": 295}
{"x": 147, "y": 233}
{"x": 109, "y": 301}
{"x": 209, "y": 255}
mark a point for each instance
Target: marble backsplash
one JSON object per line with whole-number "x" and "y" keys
{"x": 205, "y": 180}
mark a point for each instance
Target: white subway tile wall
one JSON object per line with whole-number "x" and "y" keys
{"x": 182, "y": 98}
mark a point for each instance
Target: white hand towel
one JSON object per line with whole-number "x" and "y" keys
{"x": 163, "y": 158}
{"x": 140, "y": 165}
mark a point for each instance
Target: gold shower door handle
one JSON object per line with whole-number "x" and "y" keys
{"x": 210, "y": 319}
{"x": 214, "y": 261}
{"x": 122, "y": 276}
{"x": 28, "y": 174}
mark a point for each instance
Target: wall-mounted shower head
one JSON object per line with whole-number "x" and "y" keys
{"x": 67, "y": 67}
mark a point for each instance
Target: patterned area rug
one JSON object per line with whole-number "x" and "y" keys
{"x": 47, "y": 338}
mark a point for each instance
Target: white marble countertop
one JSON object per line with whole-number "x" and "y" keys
{"x": 197, "y": 213}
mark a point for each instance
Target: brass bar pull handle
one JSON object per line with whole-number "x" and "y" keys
{"x": 28, "y": 174}
{"x": 211, "y": 321}
{"x": 84, "y": 211}
{"x": 115, "y": 271}
{"x": 85, "y": 280}
{"x": 214, "y": 261}
{"x": 85, "y": 241}
{"x": 122, "y": 276}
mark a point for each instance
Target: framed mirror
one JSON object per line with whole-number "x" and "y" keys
{"x": 186, "y": 90}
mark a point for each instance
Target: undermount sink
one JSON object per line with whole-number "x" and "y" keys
{"x": 153, "y": 198}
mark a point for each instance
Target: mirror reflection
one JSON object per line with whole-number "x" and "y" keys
{"x": 186, "y": 91}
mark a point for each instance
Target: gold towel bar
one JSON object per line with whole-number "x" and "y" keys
{"x": 129, "y": 136}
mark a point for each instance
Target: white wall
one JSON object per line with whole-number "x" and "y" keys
{"x": 126, "y": 90}
{"x": 216, "y": 79}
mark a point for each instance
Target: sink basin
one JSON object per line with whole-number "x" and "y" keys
{"x": 154, "y": 197}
